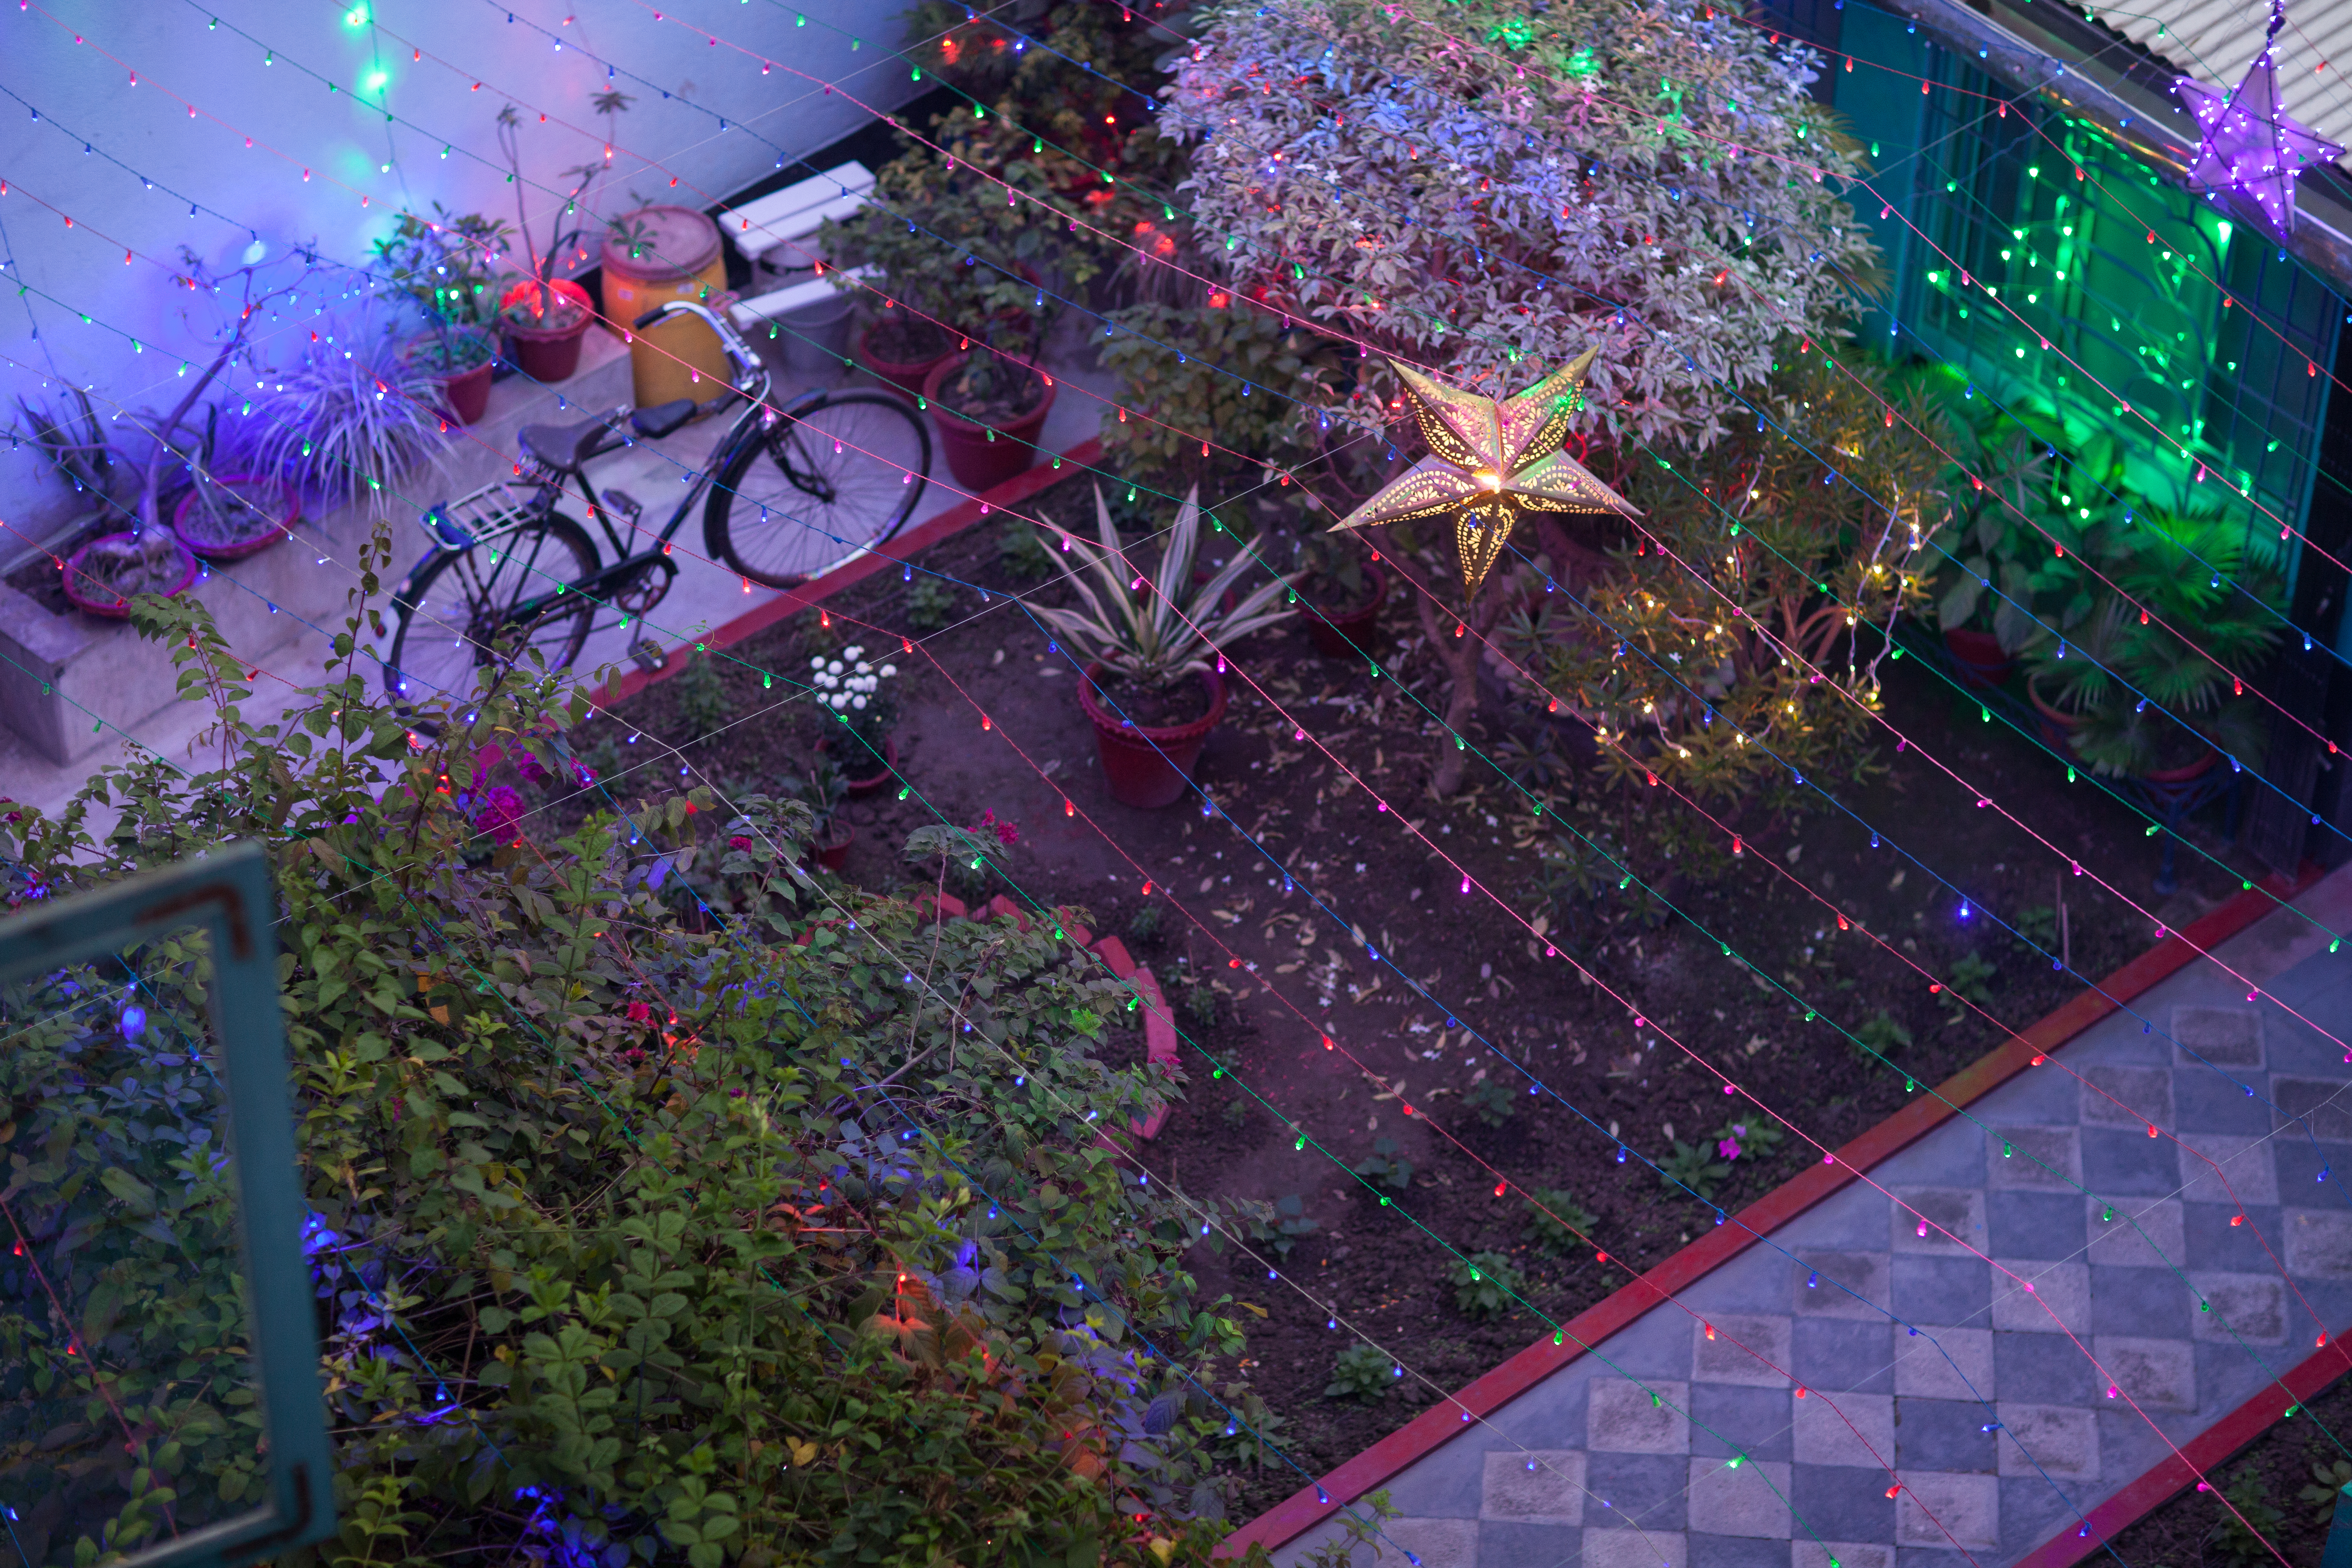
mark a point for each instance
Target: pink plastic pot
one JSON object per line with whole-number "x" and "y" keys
{"x": 1982, "y": 662}
{"x": 289, "y": 512}
{"x": 1348, "y": 636}
{"x": 977, "y": 462}
{"x": 117, "y": 608}
{"x": 1148, "y": 766}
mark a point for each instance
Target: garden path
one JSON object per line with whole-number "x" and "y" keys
{"x": 1868, "y": 1343}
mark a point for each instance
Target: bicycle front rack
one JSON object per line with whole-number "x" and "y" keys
{"x": 496, "y": 508}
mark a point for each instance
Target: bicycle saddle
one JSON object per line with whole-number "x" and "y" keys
{"x": 571, "y": 446}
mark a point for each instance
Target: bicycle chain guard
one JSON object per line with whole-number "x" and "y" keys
{"x": 646, "y": 587}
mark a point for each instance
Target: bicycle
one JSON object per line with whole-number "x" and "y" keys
{"x": 509, "y": 573}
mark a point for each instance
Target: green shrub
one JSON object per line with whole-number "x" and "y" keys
{"x": 1692, "y": 1168}
{"x": 1491, "y": 1099}
{"x": 702, "y": 699}
{"x": 930, "y": 602}
{"x": 592, "y": 1154}
{"x": 1291, "y": 1221}
{"x": 1485, "y": 1284}
{"x": 1883, "y": 1035}
{"x": 1554, "y": 1219}
{"x": 1363, "y": 1372}
{"x": 1386, "y": 1166}
{"x": 1023, "y": 551}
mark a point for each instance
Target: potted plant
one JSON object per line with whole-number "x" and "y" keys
{"x": 1153, "y": 687}
{"x": 226, "y": 514}
{"x": 545, "y": 316}
{"x": 1343, "y": 591}
{"x": 989, "y": 411}
{"x": 2139, "y": 699}
{"x": 348, "y": 417}
{"x": 104, "y": 574}
{"x": 864, "y": 705}
{"x": 447, "y": 265}
{"x": 2002, "y": 491}
{"x": 823, "y": 789}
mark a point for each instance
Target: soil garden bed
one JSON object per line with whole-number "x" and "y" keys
{"x": 1377, "y": 1267}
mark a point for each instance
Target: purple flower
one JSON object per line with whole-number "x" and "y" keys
{"x": 500, "y": 812}
{"x": 1727, "y": 1149}
{"x": 528, "y": 767}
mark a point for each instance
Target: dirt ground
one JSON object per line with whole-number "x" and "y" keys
{"x": 1217, "y": 898}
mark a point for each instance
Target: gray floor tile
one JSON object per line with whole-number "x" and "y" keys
{"x": 1728, "y": 1420}
{"x": 1942, "y": 1221}
{"x": 1954, "y": 1157}
{"x": 2033, "y": 1224}
{"x": 1505, "y": 1544}
{"x": 1845, "y": 1353}
{"x": 1854, "y": 1218}
{"x": 1828, "y": 1284}
{"x": 2115, "y": 1096}
{"x": 1736, "y": 1551}
{"x": 2227, "y": 1168}
{"x": 1839, "y": 1503}
{"x": 2318, "y": 1242}
{"x": 2214, "y": 1099}
{"x": 1943, "y": 1435}
{"x": 2135, "y": 1233}
{"x": 1942, "y": 1290}
{"x": 1945, "y": 1363}
{"x": 2215, "y": 1244}
{"x": 2048, "y": 1157}
{"x": 1540, "y": 1488}
{"x": 1655, "y": 1345}
{"x": 2047, "y": 1367}
{"x": 1438, "y": 1542}
{"x": 1942, "y": 1511}
{"x": 2047, "y": 1439}
{"x": 2252, "y": 1307}
{"x": 1741, "y": 1347}
{"x": 1807, "y": 1552}
{"x": 2120, "y": 1164}
{"x": 1443, "y": 1485}
{"x": 2319, "y": 1107}
{"x": 2059, "y": 1302}
{"x": 2157, "y": 1373}
{"x": 2300, "y": 1167}
{"x": 1647, "y": 1489}
{"x": 1624, "y": 1416}
{"x": 1750, "y": 1499}
{"x": 2150, "y": 1302}
{"x": 2227, "y": 1036}
{"x": 1625, "y": 1549}
{"x": 2032, "y": 1510}
{"x": 1855, "y": 1430}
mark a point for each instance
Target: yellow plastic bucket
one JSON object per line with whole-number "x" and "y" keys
{"x": 655, "y": 255}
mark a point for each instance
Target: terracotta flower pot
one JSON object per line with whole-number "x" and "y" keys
{"x": 547, "y": 354}
{"x": 903, "y": 375}
{"x": 82, "y": 593}
{"x": 1982, "y": 662}
{"x": 262, "y": 535}
{"x": 978, "y": 462}
{"x": 1348, "y": 634}
{"x": 465, "y": 394}
{"x": 831, "y": 856}
{"x": 874, "y": 783}
{"x": 2057, "y": 725}
{"x": 1148, "y": 765}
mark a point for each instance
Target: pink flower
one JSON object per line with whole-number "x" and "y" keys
{"x": 1727, "y": 1149}
{"x": 640, "y": 1014}
{"x": 500, "y": 811}
{"x": 1007, "y": 834}
{"x": 528, "y": 767}
{"x": 739, "y": 842}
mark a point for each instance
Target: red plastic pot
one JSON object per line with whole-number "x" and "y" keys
{"x": 289, "y": 513}
{"x": 465, "y": 394}
{"x": 1983, "y": 663}
{"x": 545, "y": 353}
{"x": 1148, "y": 765}
{"x": 978, "y": 462}
{"x": 905, "y": 376}
{"x": 1348, "y": 636}
{"x": 117, "y": 608}
{"x": 832, "y": 856}
{"x": 874, "y": 783}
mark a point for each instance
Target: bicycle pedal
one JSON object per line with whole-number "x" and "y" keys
{"x": 649, "y": 655}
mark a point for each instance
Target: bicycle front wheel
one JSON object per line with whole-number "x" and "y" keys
{"x": 818, "y": 488}
{"x": 462, "y": 612}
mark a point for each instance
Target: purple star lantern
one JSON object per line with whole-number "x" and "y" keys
{"x": 2248, "y": 143}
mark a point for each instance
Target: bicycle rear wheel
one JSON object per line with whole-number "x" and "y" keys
{"x": 819, "y": 487}
{"x": 462, "y": 612}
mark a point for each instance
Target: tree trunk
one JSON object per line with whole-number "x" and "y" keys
{"x": 1459, "y": 655}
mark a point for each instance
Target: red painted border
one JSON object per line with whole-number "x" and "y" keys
{"x": 2201, "y": 1453}
{"x": 904, "y": 547}
{"x": 1720, "y": 1243}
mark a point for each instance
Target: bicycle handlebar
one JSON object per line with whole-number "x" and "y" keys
{"x": 747, "y": 363}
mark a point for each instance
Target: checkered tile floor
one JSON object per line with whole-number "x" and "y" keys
{"x": 1921, "y": 1362}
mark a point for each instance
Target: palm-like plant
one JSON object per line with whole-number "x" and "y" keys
{"x": 1157, "y": 626}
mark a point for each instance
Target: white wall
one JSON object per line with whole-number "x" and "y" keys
{"x": 140, "y": 131}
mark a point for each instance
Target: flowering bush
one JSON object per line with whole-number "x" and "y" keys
{"x": 859, "y": 696}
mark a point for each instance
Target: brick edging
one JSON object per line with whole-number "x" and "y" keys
{"x": 893, "y": 553}
{"x": 2204, "y": 1453}
{"x": 1719, "y": 1245}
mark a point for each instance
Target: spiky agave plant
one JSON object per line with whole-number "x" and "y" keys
{"x": 1156, "y": 626}
{"x": 349, "y": 423}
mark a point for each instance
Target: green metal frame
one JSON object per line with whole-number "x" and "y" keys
{"x": 228, "y": 894}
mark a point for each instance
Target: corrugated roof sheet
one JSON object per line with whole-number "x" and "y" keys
{"x": 2215, "y": 41}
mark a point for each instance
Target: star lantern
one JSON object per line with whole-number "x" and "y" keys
{"x": 1488, "y": 461}
{"x": 2246, "y": 140}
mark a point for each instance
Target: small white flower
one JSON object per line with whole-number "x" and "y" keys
{"x": 863, "y": 669}
{"x": 834, "y": 667}
{"x": 857, "y": 652}
{"x": 817, "y": 663}
{"x": 838, "y": 699}
{"x": 889, "y": 669}
{"x": 857, "y": 702}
